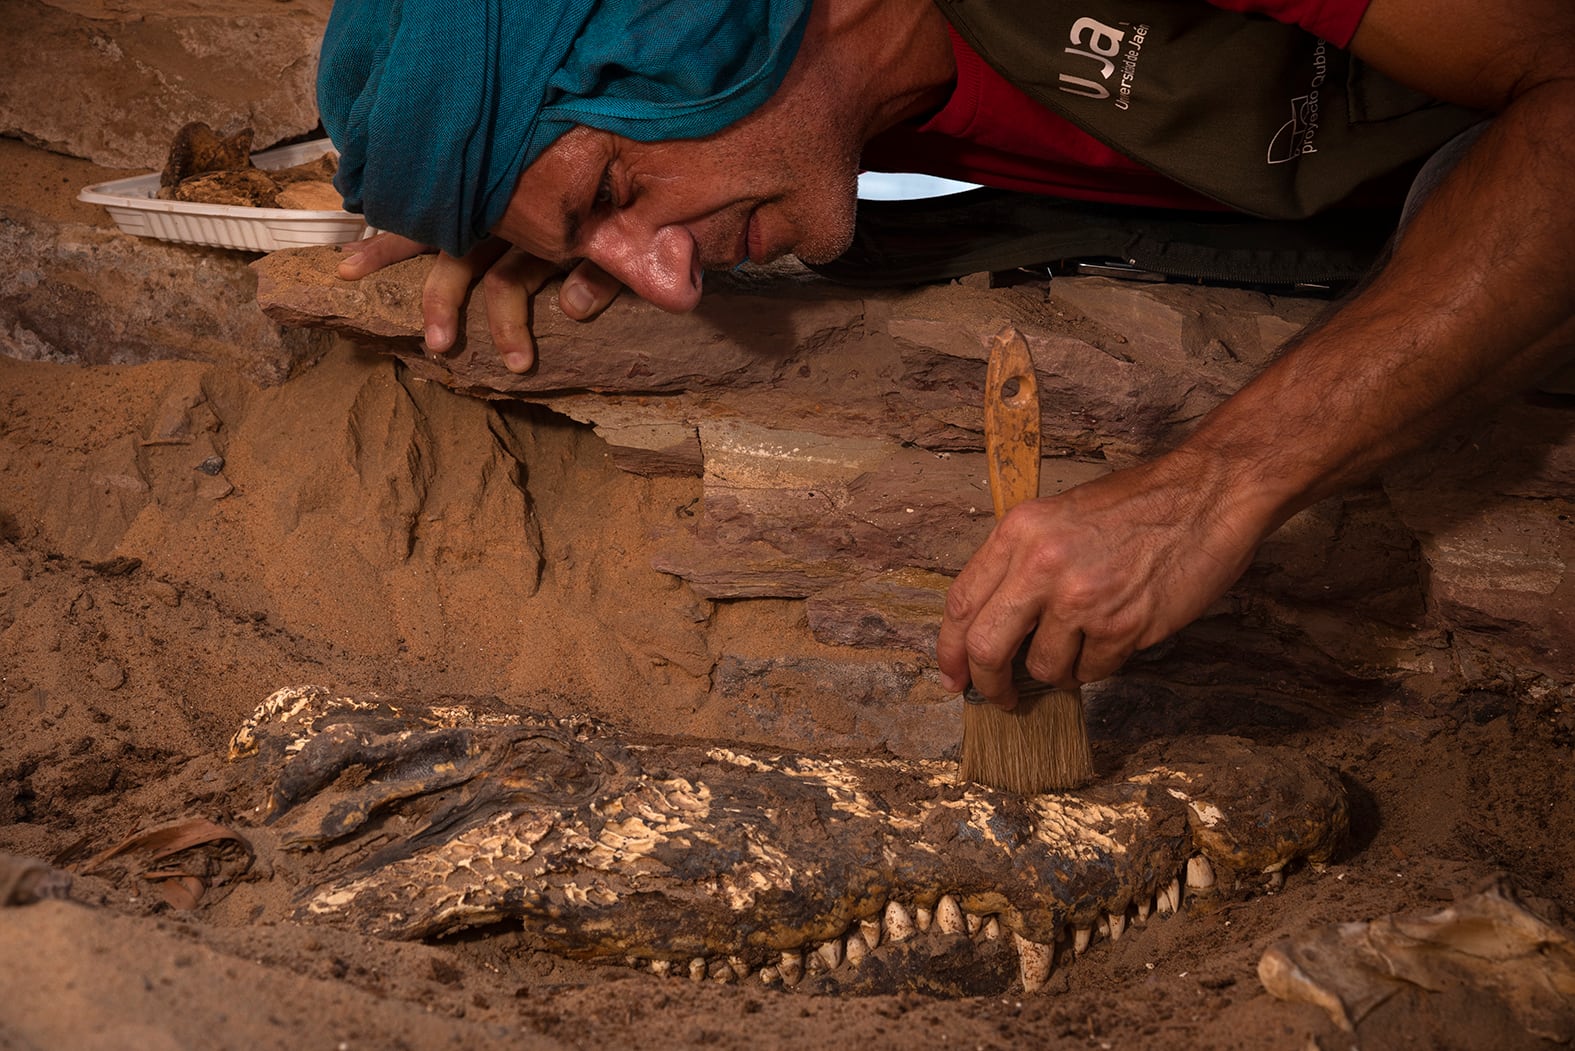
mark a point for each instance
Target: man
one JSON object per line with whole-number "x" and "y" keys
{"x": 1473, "y": 303}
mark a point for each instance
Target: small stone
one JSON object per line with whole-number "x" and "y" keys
{"x": 211, "y": 466}
{"x": 165, "y": 592}
{"x": 119, "y": 566}
{"x": 109, "y": 675}
{"x": 214, "y": 487}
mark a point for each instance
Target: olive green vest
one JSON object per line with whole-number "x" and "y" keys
{"x": 1259, "y": 115}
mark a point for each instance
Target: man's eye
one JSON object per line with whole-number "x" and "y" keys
{"x": 604, "y": 192}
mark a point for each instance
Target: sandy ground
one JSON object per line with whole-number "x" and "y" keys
{"x": 147, "y": 606}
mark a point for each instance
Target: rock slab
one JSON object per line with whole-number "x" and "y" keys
{"x": 838, "y": 437}
{"x": 113, "y": 81}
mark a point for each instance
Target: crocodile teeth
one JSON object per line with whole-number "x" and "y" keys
{"x": 770, "y": 974}
{"x": 697, "y": 968}
{"x": 830, "y": 953}
{"x": 662, "y": 967}
{"x": 719, "y": 970}
{"x": 791, "y": 967}
{"x": 1169, "y": 898}
{"x": 1276, "y": 879}
{"x": 1117, "y": 922}
{"x": 1144, "y": 908}
{"x": 1034, "y": 962}
{"x": 899, "y": 924}
{"x": 975, "y": 923}
{"x": 1200, "y": 873}
{"x": 856, "y": 949}
{"x": 1081, "y": 937}
{"x": 871, "y": 930}
{"x": 992, "y": 929}
{"x": 948, "y": 916}
{"x": 1102, "y": 926}
{"x": 740, "y": 968}
{"x": 923, "y": 918}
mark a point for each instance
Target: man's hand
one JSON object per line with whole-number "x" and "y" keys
{"x": 1476, "y": 301}
{"x": 509, "y": 279}
{"x": 1098, "y": 572}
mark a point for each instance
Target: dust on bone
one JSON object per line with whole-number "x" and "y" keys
{"x": 498, "y": 853}
{"x": 843, "y": 786}
{"x": 280, "y": 707}
{"x": 1067, "y": 822}
{"x": 495, "y": 855}
{"x": 656, "y": 811}
{"x": 1056, "y": 815}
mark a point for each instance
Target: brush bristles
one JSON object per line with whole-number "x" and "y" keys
{"x": 1039, "y": 746}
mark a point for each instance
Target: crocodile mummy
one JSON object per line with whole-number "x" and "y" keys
{"x": 412, "y": 820}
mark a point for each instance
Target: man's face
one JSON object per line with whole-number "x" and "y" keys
{"x": 656, "y": 215}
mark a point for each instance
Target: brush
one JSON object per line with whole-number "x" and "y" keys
{"x": 1041, "y": 745}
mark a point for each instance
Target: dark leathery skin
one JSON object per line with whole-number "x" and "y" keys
{"x": 412, "y": 820}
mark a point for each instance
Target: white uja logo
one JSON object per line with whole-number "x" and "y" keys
{"x": 1101, "y": 45}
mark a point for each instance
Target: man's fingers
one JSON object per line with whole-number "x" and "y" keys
{"x": 1056, "y": 656}
{"x": 993, "y": 640}
{"x": 985, "y": 624}
{"x": 374, "y": 253}
{"x": 442, "y": 298}
{"x": 964, "y": 599}
{"x": 510, "y": 285}
{"x": 447, "y": 285}
{"x": 951, "y": 653}
{"x": 587, "y": 291}
{"x": 509, "y": 278}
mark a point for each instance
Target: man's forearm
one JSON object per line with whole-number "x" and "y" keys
{"x": 1475, "y": 303}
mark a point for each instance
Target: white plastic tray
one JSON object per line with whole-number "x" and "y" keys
{"x": 135, "y": 209}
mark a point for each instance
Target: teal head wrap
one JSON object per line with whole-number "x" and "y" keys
{"x": 436, "y": 106}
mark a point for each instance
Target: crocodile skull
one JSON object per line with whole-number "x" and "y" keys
{"x": 409, "y": 820}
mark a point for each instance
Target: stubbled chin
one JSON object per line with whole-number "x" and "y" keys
{"x": 824, "y": 250}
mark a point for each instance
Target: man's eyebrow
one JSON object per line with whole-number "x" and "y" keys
{"x": 571, "y": 226}
{"x": 572, "y": 208}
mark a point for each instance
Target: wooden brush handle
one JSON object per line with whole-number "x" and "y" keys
{"x": 1011, "y": 437}
{"x": 1011, "y": 422}
{"x": 1042, "y": 744}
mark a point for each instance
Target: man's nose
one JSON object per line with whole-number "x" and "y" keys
{"x": 661, "y": 266}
